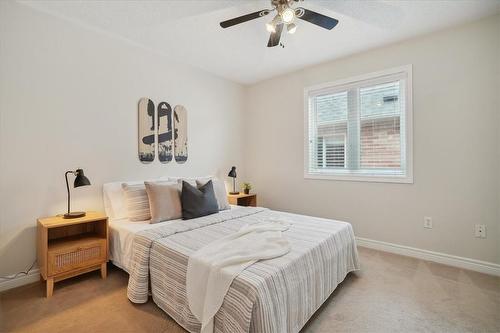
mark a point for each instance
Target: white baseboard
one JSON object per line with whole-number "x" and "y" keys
{"x": 32, "y": 276}
{"x": 441, "y": 258}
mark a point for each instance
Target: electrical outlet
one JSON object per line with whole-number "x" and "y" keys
{"x": 480, "y": 231}
{"x": 428, "y": 222}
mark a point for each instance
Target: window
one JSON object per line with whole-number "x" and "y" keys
{"x": 360, "y": 129}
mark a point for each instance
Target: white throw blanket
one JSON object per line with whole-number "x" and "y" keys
{"x": 212, "y": 268}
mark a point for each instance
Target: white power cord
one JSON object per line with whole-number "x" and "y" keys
{"x": 13, "y": 276}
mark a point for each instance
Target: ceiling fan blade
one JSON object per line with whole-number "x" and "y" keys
{"x": 275, "y": 37}
{"x": 316, "y": 18}
{"x": 244, "y": 18}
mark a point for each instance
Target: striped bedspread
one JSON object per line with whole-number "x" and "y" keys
{"x": 276, "y": 295}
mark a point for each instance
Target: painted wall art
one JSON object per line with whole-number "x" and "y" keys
{"x": 146, "y": 130}
{"x": 180, "y": 128}
{"x": 163, "y": 131}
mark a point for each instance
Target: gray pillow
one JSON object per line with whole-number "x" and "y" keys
{"x": 219, "y": 190}
{"x": 164, "y": 201}
{"x": 197, "y": 202}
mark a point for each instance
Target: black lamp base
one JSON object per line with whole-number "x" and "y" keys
{"x": 73, "y": 215}
{"x": 234, "y": 193}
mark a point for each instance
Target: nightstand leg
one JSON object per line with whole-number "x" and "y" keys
{"x": 104, "y": 270}
{"x": 50, "y": 286}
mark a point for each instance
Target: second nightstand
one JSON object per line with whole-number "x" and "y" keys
{"x": 70, "y": 247}
{"x": 243, "y": 199}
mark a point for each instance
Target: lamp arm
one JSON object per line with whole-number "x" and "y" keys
{"x": 67, "y": 187}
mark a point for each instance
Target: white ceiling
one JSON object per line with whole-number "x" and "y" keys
{"x": 189, "y": 31}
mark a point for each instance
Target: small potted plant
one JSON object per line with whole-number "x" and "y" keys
{"x": 246, "y": 187}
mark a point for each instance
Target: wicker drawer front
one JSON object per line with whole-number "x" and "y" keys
{"x": 78, "y": 257}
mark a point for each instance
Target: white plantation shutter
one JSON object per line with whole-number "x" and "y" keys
{"x": 358, "y": 129}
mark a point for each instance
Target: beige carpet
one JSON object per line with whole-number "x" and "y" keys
{"x": 391, "y": 294}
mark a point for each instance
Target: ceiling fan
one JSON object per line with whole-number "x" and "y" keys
{"x": 285, "y": 15}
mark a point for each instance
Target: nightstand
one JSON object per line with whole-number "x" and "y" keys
{"x": 70, "y": 247}
{"x": 243, "y": 199}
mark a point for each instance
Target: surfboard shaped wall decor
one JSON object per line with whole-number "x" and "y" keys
{"x": 164, "y": 115}
{"x": 147, "y": 137}
{"x": 180, "y": 136}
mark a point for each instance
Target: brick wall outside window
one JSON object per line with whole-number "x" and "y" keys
{"x": 380, "y": 143}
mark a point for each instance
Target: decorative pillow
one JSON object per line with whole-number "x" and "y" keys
{"x": 137, "y": 202}
{"x": 190, "y": 180}
{"x": 220, "y": 191}
{"x": 197, "y": 202}
{"x": 164, "y": 201}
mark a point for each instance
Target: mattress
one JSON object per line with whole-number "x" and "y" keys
{"x": 274, "y": 296}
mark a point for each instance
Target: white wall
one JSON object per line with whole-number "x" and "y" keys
{"x": 456, "y": 92}
{"x": 68, "y": 99}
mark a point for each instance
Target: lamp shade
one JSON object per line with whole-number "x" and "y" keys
{"x": 232, "y": 172}
{"x": 80, "y": 179}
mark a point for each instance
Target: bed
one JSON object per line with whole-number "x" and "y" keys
{"x": 121, "y": 238}
{"x": 275, "y": 295}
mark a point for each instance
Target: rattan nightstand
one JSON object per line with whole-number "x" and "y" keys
{"x": 70, "y": 247}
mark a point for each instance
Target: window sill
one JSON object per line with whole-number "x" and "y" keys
{"x": 361, "y": 178}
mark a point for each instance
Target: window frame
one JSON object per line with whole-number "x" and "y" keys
{"x": 361, "y": 81}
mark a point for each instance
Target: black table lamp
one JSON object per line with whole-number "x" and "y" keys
{"x": 80, "y": 180}
{"x": 232, "y": 174}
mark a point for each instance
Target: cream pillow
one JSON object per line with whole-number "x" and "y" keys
{"x": 164, "y": 201}
{"x": 136, "y": 201}
{"x": 219, "y": 189}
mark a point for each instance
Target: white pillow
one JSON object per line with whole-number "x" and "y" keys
{"x": 191, "y": 180}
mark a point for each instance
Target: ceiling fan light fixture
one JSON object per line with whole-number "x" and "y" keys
{"x": 284, "y": 14}
{"x": 288, "y": 15}
{"x": 270, "y": 27}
